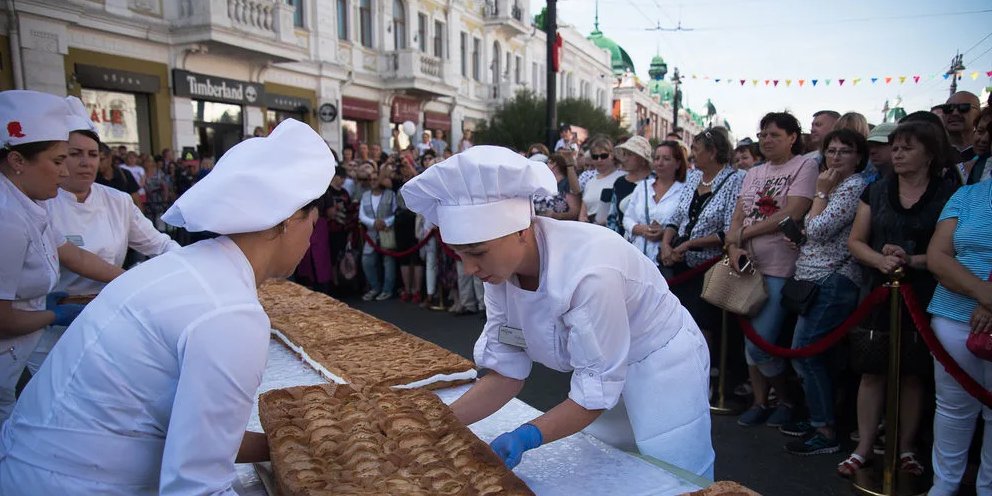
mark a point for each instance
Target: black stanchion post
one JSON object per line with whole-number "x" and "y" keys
{"x": 723, "y": 406}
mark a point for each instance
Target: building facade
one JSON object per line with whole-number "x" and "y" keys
{"x": 206, "y": 73}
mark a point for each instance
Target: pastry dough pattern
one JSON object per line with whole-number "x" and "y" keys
{"x": 724, "y": 488}
{"x": 333, "y": 439}
{"x": 359, "y": 348}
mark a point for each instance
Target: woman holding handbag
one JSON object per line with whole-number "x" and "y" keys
{"x": 655, "y": 199}
{"x": 825, "y": 289}
{"x": 377, "y": 212}
{"x": 960, "y": 257}
{"x": 697, "y": 230}
{"x": 782, "y": 187}
{"x": 896, "y": 218}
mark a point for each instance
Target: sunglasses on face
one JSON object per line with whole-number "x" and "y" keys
{"x": 599, "y": 156}
{"x": 948, "y": 108}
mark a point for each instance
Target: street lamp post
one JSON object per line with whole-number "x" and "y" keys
{"x": 676, "y": 99}
{"x": 957, "y": 65}
{"x": 551, "y": 112}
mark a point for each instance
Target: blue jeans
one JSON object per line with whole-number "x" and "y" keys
{"x": 371, "y": 263}
{"x": 836, "y": 300}
{"x": 768, "y": 324}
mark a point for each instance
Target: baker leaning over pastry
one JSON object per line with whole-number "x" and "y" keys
{"x": 33, "y": 151}
{"x": 574, "y": 297}
{"x": 150, "y": 389}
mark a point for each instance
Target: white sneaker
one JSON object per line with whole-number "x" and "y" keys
{"x": 370, "y": 295}
{"x": 383, "y": 296}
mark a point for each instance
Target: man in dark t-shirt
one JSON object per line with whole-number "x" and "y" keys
{"x": 113, "y": 176}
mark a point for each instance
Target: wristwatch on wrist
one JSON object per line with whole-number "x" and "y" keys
{"x": 821, "y": 195}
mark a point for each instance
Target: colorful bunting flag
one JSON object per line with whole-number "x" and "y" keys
{"x": 826, "y": 82}
{"x": 788, "y": 82}
{"x": 814, "y": 82}
{"x": 902, "y": 79}
{"x": 946, "y": 76}
{"x": 989, "y": 73}
{"x": 801, "y": 82}
{"x": 742, "y": 82}
{"x": 888, "y": 79}
{"x": 754, "y": 82}
{"x": 916, "y": 79}
{"x": 776, "y": 83}
{"x": 874, "y": 80}
{"x": 974, "y": 75}
{"x": 841, "y": 81}
{"x": 856, "y": 81}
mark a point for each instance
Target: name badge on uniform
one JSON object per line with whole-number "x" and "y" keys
{"x": 74, "y": 239}
{"x": 512, "y": 336}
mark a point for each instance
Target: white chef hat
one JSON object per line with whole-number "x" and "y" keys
{"x": 258, "y": 183}
{"x": 79, "y": 117}
{"x": 32, "y": 116}
{"x": 480, "y": 194}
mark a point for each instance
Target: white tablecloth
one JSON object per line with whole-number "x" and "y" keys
{"x": 574, "y": 465}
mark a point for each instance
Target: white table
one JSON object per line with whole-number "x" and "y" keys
{"x": 574, "y": 465}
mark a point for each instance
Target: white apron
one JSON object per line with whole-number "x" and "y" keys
{"x": 632, "y": 348}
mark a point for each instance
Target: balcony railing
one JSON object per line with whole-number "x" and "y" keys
{"x": 255, "y": 15}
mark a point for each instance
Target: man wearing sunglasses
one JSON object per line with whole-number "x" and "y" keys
{"x": 959, "y": 114}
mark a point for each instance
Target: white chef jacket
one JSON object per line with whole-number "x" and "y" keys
{"x": 643, "y": 199}
{"x": 106, "y": 223}
{"x": 150, "y": 389}
{"x": 600, "y": 305}
{"x": 29, "y": 269}
{"x": 603, "y": 311}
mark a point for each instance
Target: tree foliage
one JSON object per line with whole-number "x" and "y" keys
{"x": 519, "y": 122}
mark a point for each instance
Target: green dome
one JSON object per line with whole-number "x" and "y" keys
{"x": 658, "y": 68}
{"x": 621, "y": 62}
{"x": 662, "y": 88}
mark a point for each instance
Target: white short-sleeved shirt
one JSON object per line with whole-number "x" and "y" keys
{"x": 29, "y": 267}
{"x": 600, "y": 305}
{"x": 592, "y": 193}
{"x": 106, "y": 223}
{"x": 150, "y": 389}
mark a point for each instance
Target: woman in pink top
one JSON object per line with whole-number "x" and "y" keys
{"x": 782, "y": 187}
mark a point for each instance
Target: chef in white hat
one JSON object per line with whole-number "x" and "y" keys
{"x": 574, "y": 297}
{"x": 97, "y": 218}
{"x": 150, "y": 390}
{"x": 32, "y": 163}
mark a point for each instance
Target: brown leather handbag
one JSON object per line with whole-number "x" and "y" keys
{"x": 742, "y": 293}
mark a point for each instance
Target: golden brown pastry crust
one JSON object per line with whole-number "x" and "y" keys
{"x": 359, "y": 348}
{"x": 724, "y": 488}
{"x": 333, "y": 439}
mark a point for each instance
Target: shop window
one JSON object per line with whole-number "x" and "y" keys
{"x": 120, "y": 118}
{"x": 365, "y": 21}
{"x": 342, "y": 19}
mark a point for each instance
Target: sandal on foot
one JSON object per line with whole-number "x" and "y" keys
{"x": 851, "y": 465}
{"x": 910, "y": 464}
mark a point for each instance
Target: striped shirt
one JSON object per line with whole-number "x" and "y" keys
{"x": 972, "y": 207}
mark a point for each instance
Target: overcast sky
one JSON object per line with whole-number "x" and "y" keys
{"x": 785, "y": 39}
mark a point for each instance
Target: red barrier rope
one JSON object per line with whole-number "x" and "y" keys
{"x": 939, "y": 352}
{"x": 398, "y": 254}
{"x": 875, "y": 298}
{"x": 693, "y": 272}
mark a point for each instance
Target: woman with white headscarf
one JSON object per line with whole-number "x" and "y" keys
{"x": 574, "y": 297}
{"x": 150, "y": 390}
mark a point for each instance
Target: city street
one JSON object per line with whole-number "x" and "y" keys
{"x": 752, "y": 456}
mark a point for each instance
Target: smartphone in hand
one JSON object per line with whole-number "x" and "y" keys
{"x": 792, "y": 231}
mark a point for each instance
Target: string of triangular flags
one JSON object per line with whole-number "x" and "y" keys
{"x": 851, "y": 81}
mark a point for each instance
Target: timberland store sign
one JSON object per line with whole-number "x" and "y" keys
{"x": 217, "y": 89}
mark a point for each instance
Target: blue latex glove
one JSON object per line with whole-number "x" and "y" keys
{"x": 64, "y": 314}
{"x": 510, "y": 446}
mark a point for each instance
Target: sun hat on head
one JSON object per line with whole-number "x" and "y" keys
{"x": 480, "y": 194}
{"x": 258, "y": 183}
{"x": 638, "y": 145}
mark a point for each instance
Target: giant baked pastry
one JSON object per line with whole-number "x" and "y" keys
{"x": 336, "y": 440}
{"x": 347, "y": 345}
{"x": 392, "y": 360}
{"x": 724, "y": 488}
